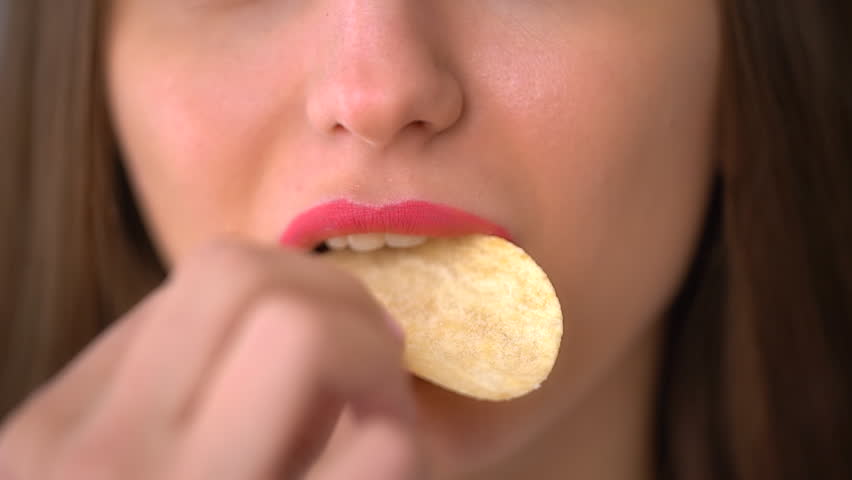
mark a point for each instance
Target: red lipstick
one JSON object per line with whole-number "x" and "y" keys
{"x": 413, "y": 217}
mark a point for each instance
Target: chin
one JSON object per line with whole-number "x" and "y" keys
{"x": 463, "y": 435}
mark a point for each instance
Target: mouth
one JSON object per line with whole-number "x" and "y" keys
{"x": 368, "y": 242}
{"x": 343, "y": 224}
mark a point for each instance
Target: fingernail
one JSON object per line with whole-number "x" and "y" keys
{"x": 395, "y": 327}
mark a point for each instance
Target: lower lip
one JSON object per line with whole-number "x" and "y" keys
{"x": 414, "y": 217}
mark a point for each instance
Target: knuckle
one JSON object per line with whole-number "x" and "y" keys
{"x": 78, "y": 467}
{"x": 294, "y": 317}
{"x": 408, "y": 459}
{"x": 298, "y": 329}
{"x": 94, "y": 455}
{"x": 222, "y": 257}
{"x": 27, "y": 440}
{"x": 224, "y": 252}
{"x": 351, "y": 284}
{"x": 16, "y": 452}
{"x": 353, "y": 294}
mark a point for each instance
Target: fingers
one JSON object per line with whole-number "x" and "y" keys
{"x": 383, "y": 449}
{"x": 237, "y": 367}
{"x": 287, "y": 360}
{"x": 83, "y": 380}
{"x": 172, "y": 353}
{"x": 191, "y": 331}
{"x": 73, "y": 396}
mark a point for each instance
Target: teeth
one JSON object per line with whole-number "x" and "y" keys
{"x": 403, "y": 241}
{"x": 337, "y": 243}
{"x": 367, "y": 242}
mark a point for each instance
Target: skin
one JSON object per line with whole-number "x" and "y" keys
{"x": 583, "y": 127}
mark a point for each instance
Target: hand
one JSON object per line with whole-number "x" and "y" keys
{"x": 237, "y": 368}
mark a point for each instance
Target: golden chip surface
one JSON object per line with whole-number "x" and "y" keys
{"x": 480, "y": 316}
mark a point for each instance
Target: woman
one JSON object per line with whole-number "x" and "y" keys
{"x": 679, "y": 169}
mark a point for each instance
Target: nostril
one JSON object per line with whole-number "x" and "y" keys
{"x": 419, "y": 126}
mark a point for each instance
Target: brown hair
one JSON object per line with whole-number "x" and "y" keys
{"x": 75, "y": 256}
{"x": 757, "y": 372}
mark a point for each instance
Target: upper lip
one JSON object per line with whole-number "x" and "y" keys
{"x": 410, "y": 217}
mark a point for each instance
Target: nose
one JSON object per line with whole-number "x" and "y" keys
{"x": 382, "y": 78}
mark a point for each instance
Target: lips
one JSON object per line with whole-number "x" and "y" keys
{"x": 413, "y": 217}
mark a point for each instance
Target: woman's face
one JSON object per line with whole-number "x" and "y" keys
{"x": 584, "y": 127}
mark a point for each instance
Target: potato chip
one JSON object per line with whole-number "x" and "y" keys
{"x": 480, "y": 316}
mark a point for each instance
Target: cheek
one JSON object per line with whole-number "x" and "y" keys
{"x": 614, "y": 126}
{"x": 623, "y": 198}
{"x": 629, "y": 186}
{"x": 197, "y": 133}
{"x": 615, "y": 136}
